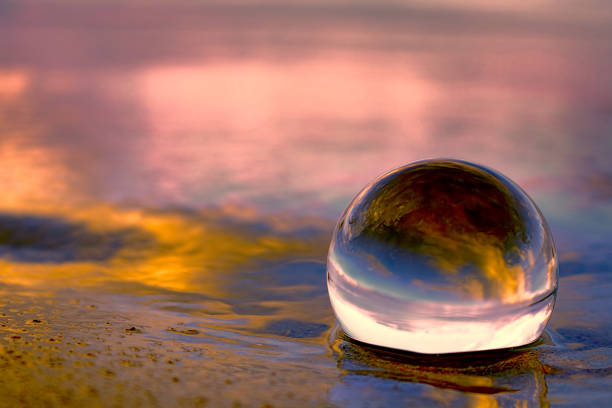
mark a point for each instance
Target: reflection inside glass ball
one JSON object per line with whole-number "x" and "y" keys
{"x": 442, "y": 256}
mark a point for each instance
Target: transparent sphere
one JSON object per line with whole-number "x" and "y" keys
{"x": 442, "y": 256}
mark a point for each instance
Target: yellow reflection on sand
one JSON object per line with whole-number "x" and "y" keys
{"x": 474, "y": 400}
{"x": 182, "y": 252}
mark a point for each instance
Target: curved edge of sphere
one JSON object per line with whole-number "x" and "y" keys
{"x": 376, "y": 307}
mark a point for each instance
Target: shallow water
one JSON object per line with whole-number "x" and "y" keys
{"x": 171, "y": 175}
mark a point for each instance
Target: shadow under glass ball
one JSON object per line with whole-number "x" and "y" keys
{"x": 442, "y": 256}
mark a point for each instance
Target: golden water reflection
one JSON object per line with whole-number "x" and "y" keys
{"x": 489, "y": 379}
{"x": 204, "y": 253}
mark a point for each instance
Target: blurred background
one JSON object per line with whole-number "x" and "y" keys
{"x": 188, "y": 159}
{"x": 294, "y": 106}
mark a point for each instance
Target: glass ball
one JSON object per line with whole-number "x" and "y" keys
{"x": 442, "y": 256}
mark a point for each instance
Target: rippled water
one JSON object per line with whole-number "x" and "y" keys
{"x": 171, "y": 176}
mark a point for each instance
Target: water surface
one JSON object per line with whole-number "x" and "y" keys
{"x": 171, "y": 175}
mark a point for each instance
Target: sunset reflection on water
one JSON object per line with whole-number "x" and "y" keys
{"x": 214, "y": 120}
{"x": 178, "y": 169}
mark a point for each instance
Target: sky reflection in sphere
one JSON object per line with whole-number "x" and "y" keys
{"x": 442, "y": 256}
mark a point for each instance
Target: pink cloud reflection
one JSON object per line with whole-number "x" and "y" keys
{"x": 295, "y": 107}
{"x": 268, "y": 127}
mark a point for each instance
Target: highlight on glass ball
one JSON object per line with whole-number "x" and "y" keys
{"x": 442, "y": 256}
